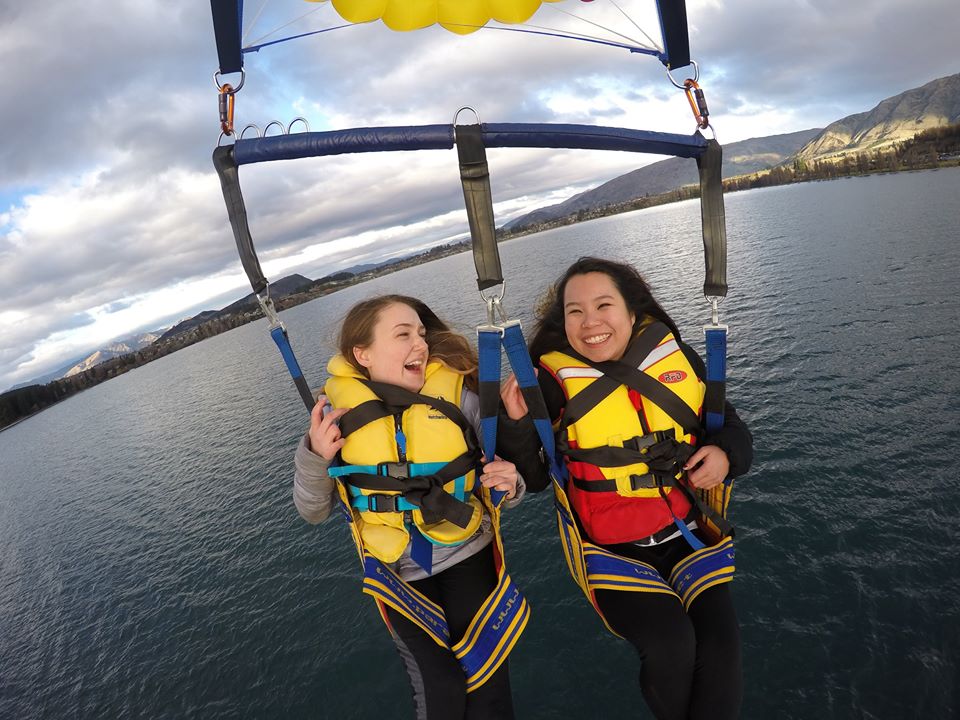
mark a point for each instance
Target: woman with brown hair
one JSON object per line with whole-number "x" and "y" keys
{"x": 626, "y": 398}
{"x": 397, "y": 448}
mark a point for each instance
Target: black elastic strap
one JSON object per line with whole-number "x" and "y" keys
{"x": 592, "y": 395}
{"x": 426, "y": 491}
{"x": 475, "y": 178}
{"x": 396, "y": 400}
{"x": 676, "y": 39}
{"x": 713, "y": 219}
{"x": 362, "y": 415}
{"x": 226, "y": 166}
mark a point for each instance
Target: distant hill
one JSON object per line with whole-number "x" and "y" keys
{"x": 114, "y": 349}
{"x": 281, "y": 288}
{"x": 893, "y": 120}
{"x": 289, "y": 285}
{"x": 739, "y": 158}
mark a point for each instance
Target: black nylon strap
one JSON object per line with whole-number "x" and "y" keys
{"x": 426, "y": 491}
{"x": 715, "y": 399}
{"x": 650, "y": 388}
{"x": 475, "y": 178}
{"x": 226, "y": 166}
{"x": 713, "y": 219}
{"x": 361, "y": 415}
{"x": 396, "y": 400}
{"x": 591, "y": 396}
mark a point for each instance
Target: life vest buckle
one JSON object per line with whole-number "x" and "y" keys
{"x": 381, "y": 502}
{"x": 394, "y": 469}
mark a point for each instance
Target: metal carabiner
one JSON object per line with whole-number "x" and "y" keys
{"x": 714, "y": 309}
{"x": 226, "y": 102}
{"x": 698, "y": 103}
{"x": 269, "y": 311}
{"x": 494, "y": 305}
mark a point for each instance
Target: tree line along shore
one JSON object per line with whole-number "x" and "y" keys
{"x": 934, "y": 148}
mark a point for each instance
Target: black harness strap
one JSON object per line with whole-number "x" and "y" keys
{"x": 713, "y": 219}
{"x": 592, "y": 395}
{"x": 625, "y": 372}
{"x": 395, "y": 400}
{"x": 362, "y": 415}
{"x": 226, "y": 165}
{"x": 475, "y": 178}
{"x": 424, "y": 491}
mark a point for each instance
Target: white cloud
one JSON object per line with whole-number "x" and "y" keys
{"x": 112, "y": 218}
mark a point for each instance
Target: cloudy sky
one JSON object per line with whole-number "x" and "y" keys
{"x": 111, "y": 216}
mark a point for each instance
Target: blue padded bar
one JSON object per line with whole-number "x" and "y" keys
{"x": 592, "y": 137}
{"x": 441, "y": 137}
{"x": 343, "y": 142}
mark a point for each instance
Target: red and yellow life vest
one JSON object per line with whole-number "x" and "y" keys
{"x": 630, "y": 510}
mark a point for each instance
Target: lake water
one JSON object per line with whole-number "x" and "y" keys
{"x": 152, "y": 563}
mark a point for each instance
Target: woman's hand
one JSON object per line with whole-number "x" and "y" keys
{"x": 325, "y": 438}
{"x": 513, "y": 401}
{"x": 500, "y": 475}
{"x": 707, "y": 467}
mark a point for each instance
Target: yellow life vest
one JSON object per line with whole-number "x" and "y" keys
{"x": 616, "y": 499}
{"x": 432, "y": 440}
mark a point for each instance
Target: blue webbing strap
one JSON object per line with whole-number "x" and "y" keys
{"x": 279, "y": 335}
{"x": 519, "y": 357}
{"x": 488, "y": 350}
{"x": 715, "y": 338}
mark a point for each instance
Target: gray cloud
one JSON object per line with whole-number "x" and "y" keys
{"x": 111, "y": 116}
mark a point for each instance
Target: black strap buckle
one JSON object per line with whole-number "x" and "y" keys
{"x": 642, "y": 442}
{"x": 394, "y": 469}
{"x": 380, "y": 502}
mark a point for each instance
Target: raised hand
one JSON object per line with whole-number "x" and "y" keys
{"x": 707, "y": 467}
{"x": 500, "y": 475}
{"x": 325, "y": 437}
{"x": 513, "y": 401}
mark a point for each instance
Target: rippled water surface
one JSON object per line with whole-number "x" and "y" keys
{"x": 152, "y": 563}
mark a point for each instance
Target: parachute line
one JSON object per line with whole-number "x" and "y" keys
{"x": 652, "y": 46}
{"x": 257, "y": 48}
{"x": 634, "y": 23}
{"x": 583, "y": 38}
{"x": 259, "y": 42}
{"x": 253, "y": 22}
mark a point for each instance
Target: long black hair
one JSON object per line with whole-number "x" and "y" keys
{"x": 549, "y": 333}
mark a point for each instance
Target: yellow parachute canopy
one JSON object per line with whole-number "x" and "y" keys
{"x": 458, "y": 16}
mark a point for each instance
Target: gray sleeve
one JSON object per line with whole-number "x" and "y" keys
{"x": 313, "y": 489}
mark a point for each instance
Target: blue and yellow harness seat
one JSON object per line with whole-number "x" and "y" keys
{"x": 409, "y": 478}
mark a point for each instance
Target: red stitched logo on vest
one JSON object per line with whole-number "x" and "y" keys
{"x": 673, "y": 376}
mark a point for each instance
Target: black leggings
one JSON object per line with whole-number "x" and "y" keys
{"x": 439, "y": 685}
{"x": 689, "y": 661}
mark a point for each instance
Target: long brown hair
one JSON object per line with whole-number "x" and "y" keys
{"x": 549, "y": 332}
{"x": 445, "y": 345}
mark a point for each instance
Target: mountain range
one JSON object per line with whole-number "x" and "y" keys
{"x": 895, "y": 119}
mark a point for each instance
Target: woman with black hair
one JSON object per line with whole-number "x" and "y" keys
{"x": 626, "y": 399}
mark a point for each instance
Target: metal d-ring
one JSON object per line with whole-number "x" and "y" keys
{"x": 696, "y": 76}
{"x": 466, "y": 107}
{"x": 271, "y": 124}
{"x": 298, "y": 119}
{"x": 216, "y": 81}
{"x": 494, "y": 305}
{"x": 714, "y": 301}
